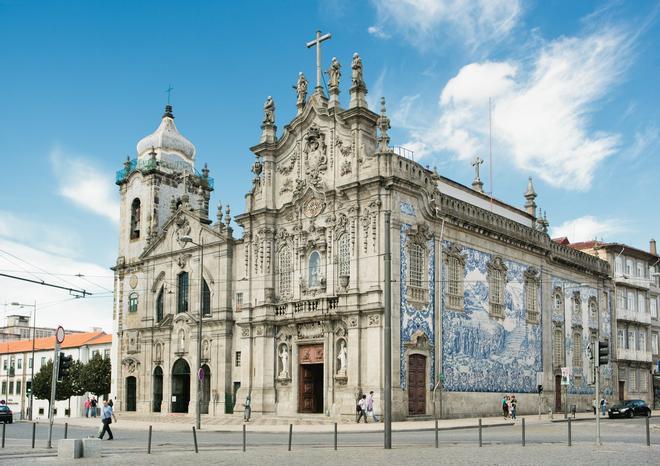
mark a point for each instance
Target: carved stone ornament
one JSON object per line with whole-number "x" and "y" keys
{"x": 182, "y": 229}
{"x": 374, "y": 320}
{"x": 353, "y": 321}
{"x": 131, "y": 365}
{"x": 316, "y": 160}
{"x": 285, "y": 167}
{"x": 245, "y": 332}
{"x": 310, "y": 330}
{"x": 313, "y": 207}
{"x": 133, "y": 281}
{"x": 287, "y": 186}
{"x": 182, "y": 260}
{"x": 455, "y": 250}
{"x": 420, "y": 233}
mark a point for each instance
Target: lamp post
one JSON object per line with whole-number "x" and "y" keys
{"x": 34, "y": 331}
{"x": 188, "y": 239}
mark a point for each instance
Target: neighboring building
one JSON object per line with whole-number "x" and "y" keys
{"x": 636, "y": 281}
{"x": 18, "y": 328}
{"x": 16, "y": 370}
{"x": 293, "y": 309}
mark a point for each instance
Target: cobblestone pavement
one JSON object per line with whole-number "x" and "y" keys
{"x": 460, "y": 455}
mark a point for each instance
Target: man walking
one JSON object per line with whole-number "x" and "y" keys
{"x": 370, "y": 407}
{"x": 92, "y": 405}
{"x": 248, "y": 409}
{"x": 106, "y": 418}
{"x": 362, "y": 404}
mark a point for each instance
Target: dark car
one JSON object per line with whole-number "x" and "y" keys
{"x": 629, "y": 408}
{"x": 6, "y": 415}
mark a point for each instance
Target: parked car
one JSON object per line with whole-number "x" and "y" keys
{"x": 629, "y": 408}
{"x": 6, "y": 415}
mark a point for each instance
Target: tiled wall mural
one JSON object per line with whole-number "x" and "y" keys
{"x": 484, "y": 354}
{"x": 414, "y": 320}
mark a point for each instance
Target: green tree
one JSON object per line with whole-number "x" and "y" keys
{"x": 41, "y": 384}
{"x": 76, "y": 379}
{"x": 96, "y": 376}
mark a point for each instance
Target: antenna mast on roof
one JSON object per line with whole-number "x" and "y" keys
{"x": 490, "y": 153}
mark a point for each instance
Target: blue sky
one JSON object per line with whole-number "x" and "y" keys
{"x": 574, "y": 90}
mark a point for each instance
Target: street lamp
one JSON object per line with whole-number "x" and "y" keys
{"x": 34, "y": 331}
{"x": 188, "y": 239}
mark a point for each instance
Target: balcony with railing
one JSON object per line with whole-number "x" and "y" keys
{"x": 633, "y": 316}
{"x": 317, "y": 307}
{"x": 624, "y": 354}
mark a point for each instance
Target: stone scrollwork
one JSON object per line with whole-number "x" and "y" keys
{"x": 315, "y": 150}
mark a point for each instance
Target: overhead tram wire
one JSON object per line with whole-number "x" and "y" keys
{"x": 72, "y": 291}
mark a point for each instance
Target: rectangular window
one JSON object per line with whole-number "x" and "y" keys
{"x": 633, "y": 380}
{"x": 416, "y": 266}
{"x": 182, "y": 287}
{"x": 30, "y": 363}
{"x": 558, "y": 346}
{"x": 19, "y": 363}
{"x": 4, "y": 364}
{"x": 631, "y": 339}
{"x": 653, "y": 304}
{"x": 654, "y": 343}
{"x": 455, "y": 283}
{"x": 577, "y": 349}
{"x": 641, "y": 303}
{"x": 11, "y": 387}
{"x": 642, "y": 381}
{"x": 639, "y": 272}
{"x": 206, "y": 299}
{"x": 642, "y": 340}
{"x": 629, "y": 267}
{"x": 238, "y": 359}
{"x": 95, "y": 353}
{"x": 239, "y": 301}
{"x": 18, "y": 387}
{"x": 620, "y": 339}
{"x": 619, "y": 266}
{"x": 43, "y": 361}
{"x": 4, "y": 387}
{"x": 133, "y": 302}
{"x": 106, "y": 354}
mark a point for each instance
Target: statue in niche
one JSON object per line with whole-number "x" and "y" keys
{"x": 334, "y": 74}
{"x": 159, "y": 352}
{"x": 284, "y": 360}
{"x": 343, "y": 359}
{"x": 314, "y": 149}
{"x": 182, "y": 341}
{"x": 269, "y": 112}
{"x": 205, "y": 350}
{"x": 357, "y": 70}
{"x": 301, "y": 89}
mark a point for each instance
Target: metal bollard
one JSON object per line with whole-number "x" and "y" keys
{"x": 290, "y": 435}
{"x": 648, "y": 432}
{"x": 195, "y": 439}
{"x": 480, "y": 435}
{"x": 4, "y": 424}
{"x": 436, "y": 432}
{"x": 34, "y": 432}
{"x": 523, "y": 431}
{"x": 149, "y": 442}
{"x": 569, "y": 432}
{"x": 335, "y": 436}
{"x": 66, "y": 429}
{"x": 243, "y": 437}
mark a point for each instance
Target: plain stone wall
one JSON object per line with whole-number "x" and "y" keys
{"x": 69, "y": 449}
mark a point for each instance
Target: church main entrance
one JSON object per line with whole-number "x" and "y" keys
{"x": 180, "y": 386}
{"x": 310, "y": 390}
{"x": 131, "y": 397}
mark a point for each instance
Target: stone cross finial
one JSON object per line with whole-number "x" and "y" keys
{"x": 228, "y": 216}
{"x": 317, "y": 42}
{"x": 530, "y": 196}
{"x": 477, "y": 184}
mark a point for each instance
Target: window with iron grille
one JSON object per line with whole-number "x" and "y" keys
{"x": 532, "y": 296}
{"x": 455, "y": 282}
{"x": 496, "y": 286}
{"x": 577, "y": 348}
{"x": 284, "y": 269}
{"x": 237, "y": 361}
{"x": 416, "y": 266}
{"x": 558, "y": 346}
{"x": 344, "y": 255}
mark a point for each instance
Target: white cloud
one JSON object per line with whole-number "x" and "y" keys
{"x": 588, "y": 228}
{"x": 377, "y": 32}
{"x": 47, "y": 237}
{"x": 55, "y": 306}
{"x": 376, "y": 91}
{"x": 86, "y": 186}
{"x": 422, "y": 22}
{"x": 540, "y": 109}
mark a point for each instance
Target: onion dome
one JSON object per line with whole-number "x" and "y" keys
{"x": 167, "y": 139}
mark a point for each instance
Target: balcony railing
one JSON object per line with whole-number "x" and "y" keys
{"x": 147, "y": 165}
{"x": 633, "y": 316}
{"x": 308, "y": 307}
{"x": 624, "y": 354}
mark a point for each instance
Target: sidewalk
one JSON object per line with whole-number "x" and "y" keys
{"x": 320, "y": 423}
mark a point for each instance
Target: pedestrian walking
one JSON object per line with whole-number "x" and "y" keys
{"x": 514, "y": 406}
{"x": 603, "y": 406}
{"x": 505, "y": 407}
{"x": 362, "y": 409}
{"x": 248, "y": 409}
{"x": 594, "y": 406}
{"x": 370, "y": 407}
{"x": 106, "y": 418}
{"x": 87, "y": 405}
{"x": 92, "y": 404}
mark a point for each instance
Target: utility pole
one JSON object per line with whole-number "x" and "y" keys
{"x": 387, "y": 395}
{"x": 59, "y": 338}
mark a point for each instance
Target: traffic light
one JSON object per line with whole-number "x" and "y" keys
{"x": 603, "y": 353}
{"x": 65, "y": 364}
{"x": 540, "y": 388}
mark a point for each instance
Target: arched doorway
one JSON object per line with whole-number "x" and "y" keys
{"x": 180, "y": 386}
{"x": 206, "y": 390}
{"x": 158, "y": 389}
{"x": 416, "y": 384}
{"x": 131, "y": 395}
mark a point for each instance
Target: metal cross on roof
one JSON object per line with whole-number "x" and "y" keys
{"x": 169, "y": 93}
{"x": 317, "y": 41}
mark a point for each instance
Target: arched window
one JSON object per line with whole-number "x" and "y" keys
{"x": 206, "y": 299}
{"x": 557, "y": 301}
{"x": 159, "y": 305}
{"x": 284, "y": 269}
{"x": 182, "y": 288}
{"x": 135, "y": 219}
{"x": 132, "y": 302}
{"x": 496, "y": 284}
{"x": 344, "y": 255}
{"x": 314, "y": 270}
{"x": 577, "y": 347}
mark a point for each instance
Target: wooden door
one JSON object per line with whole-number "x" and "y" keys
{"x": 131, "y": 398}
{"x": 558, "y": 393}
{"x": 416, "y": 384}
{"x": 307, "y": 395}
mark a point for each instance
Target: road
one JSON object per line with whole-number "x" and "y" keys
{"x": 620, "y": 431}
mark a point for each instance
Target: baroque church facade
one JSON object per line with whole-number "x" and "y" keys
{"x": 484, "y": 303}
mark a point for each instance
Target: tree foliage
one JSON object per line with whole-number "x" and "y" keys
{"x": 41, "y": 384}
{"x": 96, "y": 376}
